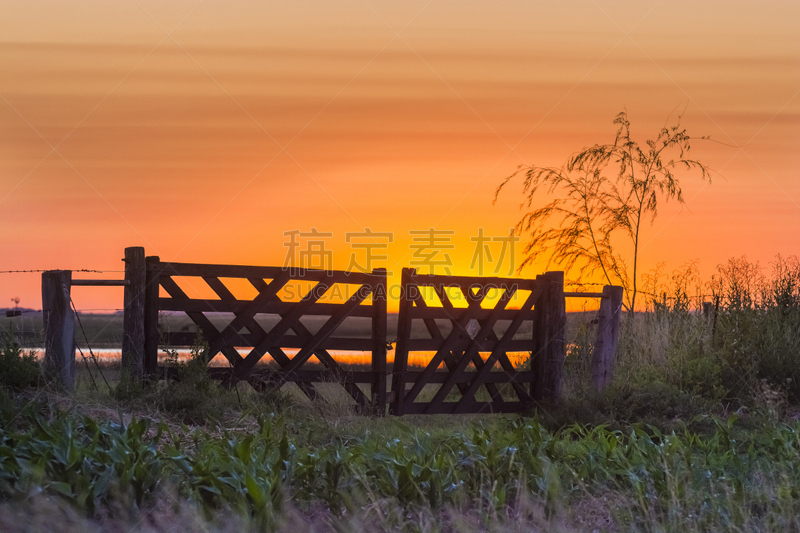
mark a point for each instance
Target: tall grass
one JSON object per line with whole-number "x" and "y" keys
{"x": 744, "y": 349}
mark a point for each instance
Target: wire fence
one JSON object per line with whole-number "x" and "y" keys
{"x": 94, "y": 271}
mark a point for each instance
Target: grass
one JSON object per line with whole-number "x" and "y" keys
{"x": 321, "y": 470}
{"x": 698, "y": 432}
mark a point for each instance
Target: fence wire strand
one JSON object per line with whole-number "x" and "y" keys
{"x": 89, "y": 346}
{"x": 70, "y": 269}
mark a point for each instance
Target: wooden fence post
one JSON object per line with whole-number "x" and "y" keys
{"x": 549, "y": 342}
{"x": 400, "y": 366}
{"x": 133, "y": 317}
{"x": 379, "y": 296}
{"x": 59, "y": 327}
{"x": 605, "y": 345}
{"x": 151, "y": 316}
{"x": 538, "y": 341}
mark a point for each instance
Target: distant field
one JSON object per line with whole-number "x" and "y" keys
{"x": 105, "y": 330}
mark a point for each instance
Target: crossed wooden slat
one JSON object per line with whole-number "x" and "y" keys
{"x": 222, "y": 340}
{"x": 457, "y": 350}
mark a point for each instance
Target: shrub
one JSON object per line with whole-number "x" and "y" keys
{"x": 18, "y": 370}
{"x": 191, "y": 394}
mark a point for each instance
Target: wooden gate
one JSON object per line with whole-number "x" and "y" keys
{"x": 468, "y": 340}
{"x": 268, "y": 324}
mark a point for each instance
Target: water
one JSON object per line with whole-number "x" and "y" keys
{"x": 111, "y": 356}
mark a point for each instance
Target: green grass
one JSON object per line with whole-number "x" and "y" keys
{"x": 417, "y": 473}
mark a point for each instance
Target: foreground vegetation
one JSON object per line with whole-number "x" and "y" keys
{"x": 699, "y": 432}
{"x": 495, "y": 474}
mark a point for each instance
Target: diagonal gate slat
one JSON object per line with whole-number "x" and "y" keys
{"x": 474, "y": 356}
{"x": 323, "y": 355}
{"x": 471, "y": 353}
{"x": 209, "y": 330}
{"x": 499, "y": 351}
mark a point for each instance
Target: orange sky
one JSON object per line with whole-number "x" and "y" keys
{"x": 205, "y": 130}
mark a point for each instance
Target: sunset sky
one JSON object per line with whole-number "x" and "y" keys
{"x": 206, "y": 130}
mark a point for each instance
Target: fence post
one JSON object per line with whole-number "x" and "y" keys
{"x": 379, "y": 296}
{"x": 133, "y": 317}
{"x": 151, "y": 316}
{"x": 605, "y": 345}
{"x": 549, "y": 331}
{"x": 400, "y": 366}
{"x": 59, "y": 326}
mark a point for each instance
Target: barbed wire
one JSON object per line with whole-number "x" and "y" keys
{"x": 70, "y": 269}
{"x": 582, "y": 284}
{"x": 84, "y": 311}
{"x": 687, "y": 297}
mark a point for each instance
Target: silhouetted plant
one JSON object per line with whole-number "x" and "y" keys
{"x": 601, "y": 192}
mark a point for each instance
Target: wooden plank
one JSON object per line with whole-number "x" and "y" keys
{"x": 209, "y": 331}
{"x": 133, "y": 317}
{"x": 304, "y": 335}
{"x": 245, "y": 271}
{"x": 328, "y": 328}
{"x": 232, "y": 330}
{"x": 100, "y": 282}
{"x": 583, "y": 295}
{"x": 450, "y": 359}
{"x": 433, "y": 345}
{"x": 471, "y": 353}
{"x": 401, "y": 348}
{"x": 59, "y": 327}
{"x": 464, "y": 315}
{"x": 429, "y": 313}
{"x": 493, "y": 376}
{"x": 278, "y": 377}
{"x": 278, "y": 330}
{"x": 182, "y": 338}
{"x": 506, "y": 344}
{"x": 273, "y": 307}
{"x": 499, "y": 354}
{"x": 437, "y": 280}
{"x": 151, "y": 335}
{"x": 379, "y": 297}
{"x": 282, "y": 359}
{"x": 220, "y": 289}
{"x": 485, "y": 374}
{"x": 451, "y": 344}
{"x": 355, "y": 392}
